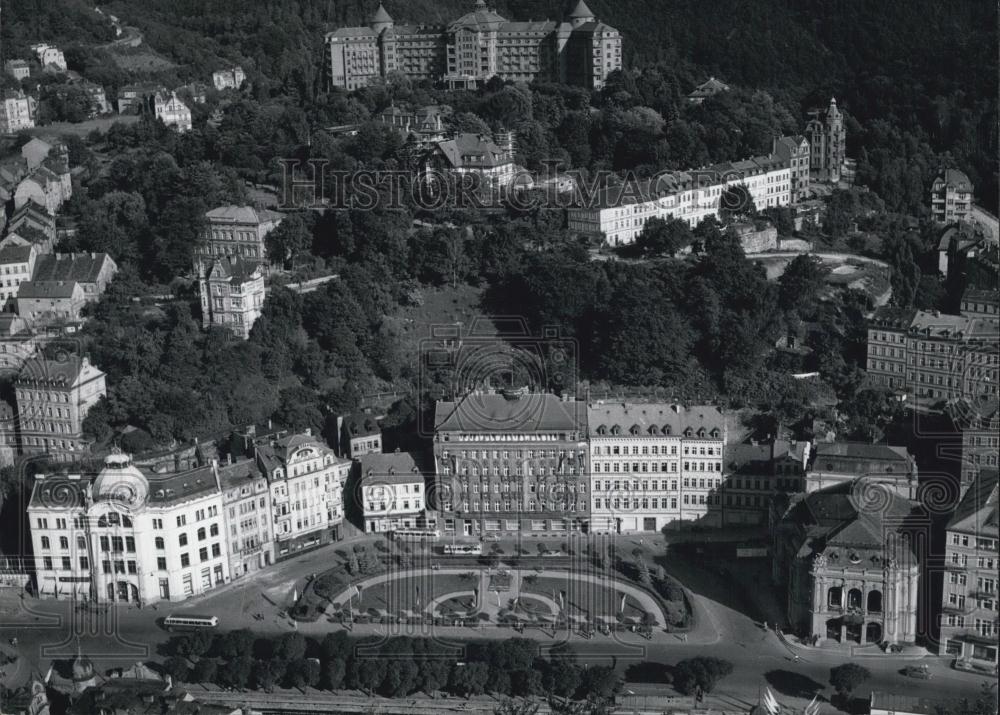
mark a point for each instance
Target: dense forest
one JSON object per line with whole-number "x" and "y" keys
{"x": 913, "y": 105}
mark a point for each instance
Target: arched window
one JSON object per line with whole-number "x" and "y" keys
{"x": 874, "y": 601}
{"x": 854, "y": 598}
{"x": 834, "y": 597}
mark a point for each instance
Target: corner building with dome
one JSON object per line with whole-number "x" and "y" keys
{"x": 128, "y": 536}
{"x": 478, "y": 46}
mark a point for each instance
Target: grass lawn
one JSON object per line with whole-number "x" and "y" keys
{"x": 584, "y": 598}
{"x": 443, "y": 306}
{"x": 401, "y": 593}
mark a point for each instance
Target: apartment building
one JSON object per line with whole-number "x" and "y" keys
{"x": 232, "y": 294}
{"x": 946, "y": 356}
{"x": 246, "y": 505}
{"x": 239, "y": 231}
{"x": 616, "y": 215}
{"x": 969, "y": 626}
{"x": 126, "y": 536}
{"x": 511, "y": 462}
{"x": 53, "y": 397}
{"x": 978, "y": 303}
{"x": 827, "y": 144}
{"x": 979, "y": 425}
{"x": 654, "y": 465}
{"x": 391, "y": 492}
{"x": 16, "y": 266}
{"x": 15, "y": 112}
{"x": 31, "y": 224}
{"x": 795, "y": 151}
{"x": 306, "y": 481}
{"x": 753, "y": 473}
{"x": 476, "y": 47}
{"x": 18, "y": 69}
{"x": 18, "y": 342}
{"x": 360, "y": 434}
{"x": 951, "y": 197}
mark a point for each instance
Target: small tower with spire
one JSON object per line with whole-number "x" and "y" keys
{"x": 381, "y": 20}
{"x": 581, "y": 14}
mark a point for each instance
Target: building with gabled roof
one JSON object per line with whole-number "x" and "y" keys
{"x": 53, "y": 398}
{"x": 845, "y": 555}
{"x": 511, "y": 462}
{"x": 232, "y": 294}
{"x": 391, "y": 491}
{"x": 32, "y": 224}
{"x": 172, "y": 111}
{"x": 42, "y": 302}
{"x": 16, "y": 266}
{"x": 753, "y": 473}
{"x": 477, "y": 155}
{"x": 306, "y": 482}
{"x": 360, "y": 434}
{"x": 968, "y": 618}
{"x": 706, "y": 89}
{"x": 92, "y": 270}
{"x": 951, "y": 196}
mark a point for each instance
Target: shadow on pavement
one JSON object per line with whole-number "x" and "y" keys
{"x": 793, "y": 684}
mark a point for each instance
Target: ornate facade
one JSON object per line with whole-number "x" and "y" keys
{"x": 827, "y": 144}
{"x": 512, "y": 462}
{"x": 845, "y": 557}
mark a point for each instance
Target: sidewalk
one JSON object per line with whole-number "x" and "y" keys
{"x": 854, "y": 650}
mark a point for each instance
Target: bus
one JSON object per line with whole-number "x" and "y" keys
{"x": 463, "y": 549}
{"x": 416, "y": 533}
{"x": 187, "y": 622}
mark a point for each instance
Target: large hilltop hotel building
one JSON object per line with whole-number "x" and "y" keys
{"x": 476, "y": 47}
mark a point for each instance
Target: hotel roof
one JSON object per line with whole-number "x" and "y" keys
{"x": 640, "y": 419}
{"x": 522, "y": 412}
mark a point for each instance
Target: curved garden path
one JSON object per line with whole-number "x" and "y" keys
{"x": 646, "y": 602}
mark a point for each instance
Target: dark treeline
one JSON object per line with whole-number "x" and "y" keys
{"x": 395, "y": 667}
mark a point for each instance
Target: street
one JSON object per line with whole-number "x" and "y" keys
{"x": 119, "y": 636}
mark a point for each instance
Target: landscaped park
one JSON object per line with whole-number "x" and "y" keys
{"x": 591, "y": 591}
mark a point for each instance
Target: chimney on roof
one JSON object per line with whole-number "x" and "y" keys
{"x": 308, "y": 431}
{"x": 676, "y": 408}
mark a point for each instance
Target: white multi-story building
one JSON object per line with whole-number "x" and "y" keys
{"x": 392, "y": 491}
{"x": 617, "y": 214}
{"x": 653, "y": 465}
{"x": 306, "y": 482}
{"x": 246, "y": 502}
{"x": 15, "y": 112}
{"x": 230, "y": 78}
{"x": 128, "y": 536}
{"x": 49, "y": 55}
{"x": 172, "y": 111}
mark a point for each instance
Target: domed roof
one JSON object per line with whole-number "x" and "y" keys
{"x": 481, "y": 19}
{"x": 121, "y": 481}
{"x": 83, "y": 669}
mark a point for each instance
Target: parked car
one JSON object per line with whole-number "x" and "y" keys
{"x": 921, "y": 672}
{"x": 491, "y": 537}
